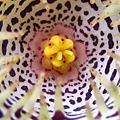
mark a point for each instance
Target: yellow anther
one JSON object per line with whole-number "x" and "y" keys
{"x": 56, "y": 62}
{"x": 59, "y": 55}
{"x": 56, "y": 40}
{"x": 69, "y": 56}
{"x": 50, "y": 50}
{"x": 67, "y": 44}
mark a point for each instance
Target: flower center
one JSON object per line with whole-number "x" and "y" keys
{"x": 59, "y": 50}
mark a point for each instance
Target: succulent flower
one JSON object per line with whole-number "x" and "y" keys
{"x": 74, "y": 40}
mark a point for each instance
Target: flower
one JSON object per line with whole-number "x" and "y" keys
{"x": 77, "y": 13}
{"x": 58, "y": 53}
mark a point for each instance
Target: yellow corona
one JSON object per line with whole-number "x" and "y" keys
{"x": 59, "y": 50}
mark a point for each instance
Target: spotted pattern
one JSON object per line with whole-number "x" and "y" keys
{"x": 31, "y": 16}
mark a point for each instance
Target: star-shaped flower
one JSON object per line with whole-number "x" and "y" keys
{"x": 58, "y": 53}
